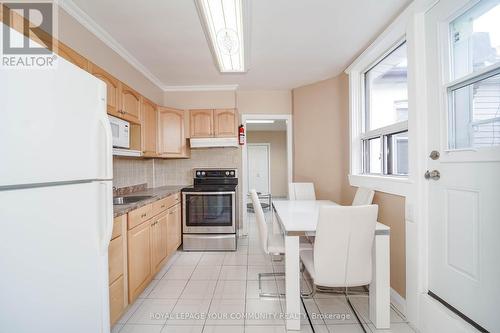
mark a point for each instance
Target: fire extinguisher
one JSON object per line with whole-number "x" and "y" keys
{"x": 241, "y": 135}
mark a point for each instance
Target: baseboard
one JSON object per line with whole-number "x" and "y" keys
{"x": 398, "y": 301}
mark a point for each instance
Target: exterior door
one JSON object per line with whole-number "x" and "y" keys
{"x": 463, "y": 89}
{"x": 258, "y": 168}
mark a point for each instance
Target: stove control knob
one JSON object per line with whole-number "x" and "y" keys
{"x": 203, "y": 173}
{"x": 227, "y": 173}
{"x": 232, "y": 173}
{"x": 198, "y": 173}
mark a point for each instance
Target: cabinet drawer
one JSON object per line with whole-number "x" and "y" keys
{"x": 116, "y": 299}
{"x": 115, "y": 254}
{"x": 117, "y": 225}
{"x": 139, "y": 215}
{"x": 165, "y": 203}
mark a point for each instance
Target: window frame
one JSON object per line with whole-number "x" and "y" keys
{"x": 383, "y": 132}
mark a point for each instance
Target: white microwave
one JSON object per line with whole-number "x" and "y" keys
{"x": 121, "y": 132}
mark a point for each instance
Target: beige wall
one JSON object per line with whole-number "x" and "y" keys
{"x": 200, "y": 99}
{"x": 320, "y": 118}
{"x": 321, "y": 155}
{"x": 277, "y": 141}
{"x": 264, "y": 101}
{"x": 87, "y": 44}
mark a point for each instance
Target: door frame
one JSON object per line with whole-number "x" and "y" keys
{"x": 268, "y": 145}
{"x": 243, "y": 231}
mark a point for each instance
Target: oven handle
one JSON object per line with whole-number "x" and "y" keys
{"x": 209, "y": 193}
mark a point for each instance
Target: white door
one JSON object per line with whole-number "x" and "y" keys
{"x": 463, "y": 88}
{"x": 258, "y": 168}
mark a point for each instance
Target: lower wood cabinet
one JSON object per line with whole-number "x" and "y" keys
{"x": 139, "y": 259}
{"x": 117, "y": 259}
{"x": 151, "y": 242}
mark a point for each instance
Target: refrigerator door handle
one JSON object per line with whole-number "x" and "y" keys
{"x": 106, "y": 139}
{"x": 106, "y": 226}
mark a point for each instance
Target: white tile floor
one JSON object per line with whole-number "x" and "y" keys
{"x": 208, "y": 293}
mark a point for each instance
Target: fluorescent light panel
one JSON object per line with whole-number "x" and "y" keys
{"x": 260, "y": 121}
{"x": 224, "y": 18}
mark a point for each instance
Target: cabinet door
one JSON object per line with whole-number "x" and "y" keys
{"x": 149, "y": 127}
{"x": 158, "y": 241}
{"x": 201, "y": 123}
{"x": 174, "y": 228}
{"x": 225, "y": 122}
{"x": 112, "y": 87}
{"x": 115, "y": 258}
{"x": 139, "y": 259}
{"x": 72, "y": 56}
{"x": 116, "y": 300}
{"x": 171, "y": 137}
{"x": 131, "y": 103}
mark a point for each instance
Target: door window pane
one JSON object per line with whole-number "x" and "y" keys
{"x": 397, "y": 151}
{"x": 475, "y": 37}
{"x": 386, "y": 90}
{"x": 474, "y": 119}
{"x": 373, "y": 156}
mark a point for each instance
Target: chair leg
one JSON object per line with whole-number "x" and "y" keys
{"x": 312, "y": 289}
{"x": 261, "y": 294}
{"x": 278, "y": 257}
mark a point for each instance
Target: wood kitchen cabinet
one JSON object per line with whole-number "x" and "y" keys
{"x": 72, "y": 56}
{"x": 174, "y": 229}
{"x": 130, "y": 104}
{"x": 149, "y": 128}
{"x": 219, "y": 123}
{"x": 117, "y": 262}
{"x": 159, "y": 234}
{"x": 225, "y": 123}
{"x": 112, "y": 89}
{"x": 201, "y": 123}
{"x": 139, "y": 259}
{"x": 171, "y": 133}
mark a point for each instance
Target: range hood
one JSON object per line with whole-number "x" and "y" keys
{"x": 213, "y": 142}
{"x": 126, "y": 152}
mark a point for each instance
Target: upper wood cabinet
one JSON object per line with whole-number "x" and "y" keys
{"x": 171, "y": 133}
{"x": 225, "y": 123}
{"x": 112, "y": 88}
{"x": 72, "y": 56}
{"x": 130, "y": 104}
{"x": 201, "y": 123}
{"x": 219, "y": 123}
{"x": 149, "y": 128}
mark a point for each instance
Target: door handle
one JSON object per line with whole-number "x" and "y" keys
{"x": 434, "y": 175}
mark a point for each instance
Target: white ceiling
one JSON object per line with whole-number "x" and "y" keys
{"x": 292, "y": 42}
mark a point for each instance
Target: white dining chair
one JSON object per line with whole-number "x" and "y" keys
{"x": 342, "y": 253}
{"x": 271, "y": 243}
{"x": 363, "y": 196}
{"x": 301, "y": 191}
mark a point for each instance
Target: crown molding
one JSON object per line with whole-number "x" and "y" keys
{"x": 84, "y": 19}
{"x": 222, "y": 87}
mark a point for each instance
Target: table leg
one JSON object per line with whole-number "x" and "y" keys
{"x": 292, "y": 282}
{"x": 380, "y": 301}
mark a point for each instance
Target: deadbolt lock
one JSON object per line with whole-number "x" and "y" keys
{"x": 434, "y": 155}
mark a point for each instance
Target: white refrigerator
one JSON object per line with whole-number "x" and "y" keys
{"x": 56, "y": 210}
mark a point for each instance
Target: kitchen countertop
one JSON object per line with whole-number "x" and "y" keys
{"x": 157, "y": 193}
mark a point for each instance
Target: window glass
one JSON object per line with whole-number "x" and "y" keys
{"x": 386, "y": 90}
{"x": 397, "y": 153}
{"x": 373, "y": 156}
{"x": 474, "y": 120}
{"x": 475, "y": 37}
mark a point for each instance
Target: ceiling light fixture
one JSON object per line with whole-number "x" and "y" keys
{"x": 260, "y": 121}
{"x": 223, "y": 23}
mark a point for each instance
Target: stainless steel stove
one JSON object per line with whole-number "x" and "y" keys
{"x": 210, "y": 211}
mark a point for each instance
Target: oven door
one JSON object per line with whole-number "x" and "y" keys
{"x": 209, "y": 212}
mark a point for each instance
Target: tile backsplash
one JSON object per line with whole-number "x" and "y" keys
{"x": 160, "y": 172}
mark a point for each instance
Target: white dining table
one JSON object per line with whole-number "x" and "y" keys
{"x": 300, "y": 218}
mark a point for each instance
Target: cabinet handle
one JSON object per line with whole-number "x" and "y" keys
{"x": 144, "y": 215}
{"x": 162, "y": 206}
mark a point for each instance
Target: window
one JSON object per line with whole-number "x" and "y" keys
{"x": 385, "y": 117}
{"x": 474, "y": 94}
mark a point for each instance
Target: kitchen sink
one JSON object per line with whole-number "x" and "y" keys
{"x": 130, "y": 199}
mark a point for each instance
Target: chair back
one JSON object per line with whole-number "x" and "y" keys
{"x": 364, "y": 196}
{"x": 301, "y": 191}
{"x": 343, "y": 245}
{"x": 260, "y": 219}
